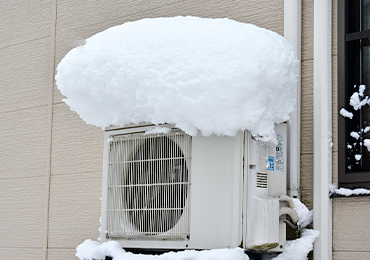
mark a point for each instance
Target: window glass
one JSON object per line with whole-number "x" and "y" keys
{"x": 353, "y": 20}
{"x": 353, "y": 71}
{"x": 359, "y": 73}
{"x": 365, "y": 44}
{"x": 365, "y": 14}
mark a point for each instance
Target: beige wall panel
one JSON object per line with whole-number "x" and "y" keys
{"x": 307, "y": 198}
{"x": 75, "y": 209}
{"x": 24, "y": 71}
{"x": 335, "y": 167}
{"x": 78, "y": 21}
{"x": 351, "y": 224}
{"x": 307, "y": 179}
{"x": 335, "y": 93}
{"x": 307, "y": 29}
{"x": 62, "y": 254}
{"x": 23, "y": 143}
{"x": 74, "y": 14}
{"x": 22, "y": 212}
{"x": 22, "y": 21}
{"x": 307, "y": 171}
{"x": 335, "y": 27}
{"x": 307, "y": 107}
{"x": 307, "y": 133}
{"x": 77, "y": 147}
{"x": 351, "y": 255}
{"x": 20, "y": 253}
{"x": 335, "y": 103}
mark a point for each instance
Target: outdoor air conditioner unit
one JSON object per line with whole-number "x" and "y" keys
{"x": 173, "y": 191}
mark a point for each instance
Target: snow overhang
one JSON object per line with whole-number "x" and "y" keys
{"x": 213, "y": 76}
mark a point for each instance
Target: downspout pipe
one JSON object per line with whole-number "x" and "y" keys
{"x": 292, "y": 32}
{"x": 322, "y": 124}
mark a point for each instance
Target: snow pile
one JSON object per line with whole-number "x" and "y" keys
{"x": 91, "y": 250}
{"x": 298, "y": 249}
{"x": 305, "y": 215}
{"x": 294, "y": 250}
{"x": 216, "y": 76}
{"x": 348, "y": 192}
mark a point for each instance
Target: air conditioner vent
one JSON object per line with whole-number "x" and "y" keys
{"x": 261, "y": 180}
{"x": 148, "y": 181}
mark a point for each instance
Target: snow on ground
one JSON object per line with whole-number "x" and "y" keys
{"x": 90, "y": 250}
{"x": 216, "y": 76}
{"x": 294, "y": 250}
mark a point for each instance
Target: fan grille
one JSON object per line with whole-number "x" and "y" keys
{"x": 148, "y": 182}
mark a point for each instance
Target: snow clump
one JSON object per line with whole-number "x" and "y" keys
{"x": 298, "y": 249}
{"x": 305, "y": 216}
{"x": 345, "y": 113}
{"x": 216, "y": 76}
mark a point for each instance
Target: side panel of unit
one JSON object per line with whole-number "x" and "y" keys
{"x": 216, "y": 192}
{"x": 265, "y": 181}
{"x": 277, "y": 179}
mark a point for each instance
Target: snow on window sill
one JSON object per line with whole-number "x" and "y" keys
{"x": 343, "y": 192}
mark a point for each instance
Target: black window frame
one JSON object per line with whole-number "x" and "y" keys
{"x": 346, "y": 35}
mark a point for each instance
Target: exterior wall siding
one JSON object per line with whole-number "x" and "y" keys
{"x": 24, "y": 66}
{"x": 307, "y": 104}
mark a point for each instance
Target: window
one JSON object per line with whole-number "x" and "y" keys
{"x": 353, "y": 71}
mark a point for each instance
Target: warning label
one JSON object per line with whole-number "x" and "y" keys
{"x": 279, "y": 160}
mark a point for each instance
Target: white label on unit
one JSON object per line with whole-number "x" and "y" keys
{"x": 279, "y": 160}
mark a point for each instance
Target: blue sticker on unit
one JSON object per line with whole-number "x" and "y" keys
{"x": 271, "y": 163}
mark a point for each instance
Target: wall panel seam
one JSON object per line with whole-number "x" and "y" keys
{"x": 22, "y": 109}
{"x": 49, "y": 127}
{"x": 24, "y": 42}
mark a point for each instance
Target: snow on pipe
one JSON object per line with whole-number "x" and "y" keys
{"x": 288, "y": 211}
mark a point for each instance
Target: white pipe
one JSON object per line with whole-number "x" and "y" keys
{"x": 292, "y": 32}
{"x": 290, "y": 212}
{"x": 322, "y": 124}
{"x": 288, "y": 200}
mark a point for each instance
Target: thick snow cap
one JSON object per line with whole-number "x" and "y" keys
{"x": 216, "y": 76}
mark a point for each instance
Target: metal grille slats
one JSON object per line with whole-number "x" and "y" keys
{"x": 262, "y": 180}
{"x": 148, "y": 182}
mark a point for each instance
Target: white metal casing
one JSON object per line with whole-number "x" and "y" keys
{"x": 226, "y": 209}
{"x": 263, "y": 230}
